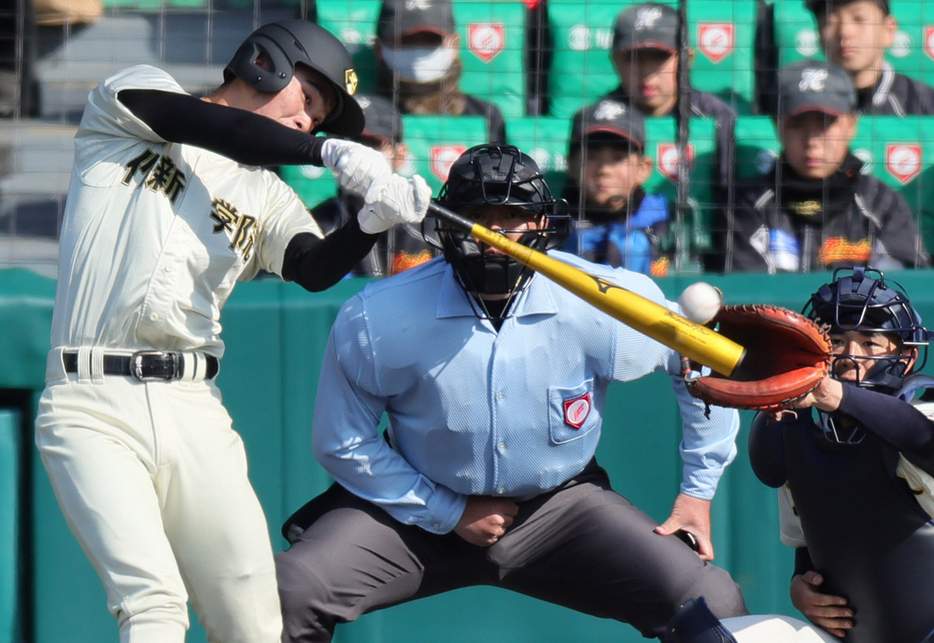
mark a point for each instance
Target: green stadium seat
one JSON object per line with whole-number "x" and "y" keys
{"x": 912, "y": 53}
{"x": 10, "y": 480}
{"x": 721, "y": 34}
{"x": 312, "y": 184}
{"x": 492, "y": 37}
{"x": 898, "y": 151}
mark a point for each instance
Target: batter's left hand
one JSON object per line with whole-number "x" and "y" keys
{"x": 691, "y": 515}
{"x": 401, "y": 200}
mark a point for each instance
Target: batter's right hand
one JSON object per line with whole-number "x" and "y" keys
{"x": 485, "y": 520}
{"x": 357, "y": 167}
{"x": 824, "y": 610}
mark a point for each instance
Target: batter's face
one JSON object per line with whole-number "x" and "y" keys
{"x": 866, "y": 345}
{"x": 855, "y": 35}
{"x": 303, "y": 104}
{"x": 610, "y": 173}
{"x": 814, "y": 143}
{"x": 650, "y": 77}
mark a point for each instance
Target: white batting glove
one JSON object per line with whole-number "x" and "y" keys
{"x": 356, "y": 167}
{"x": 400, "y": 201}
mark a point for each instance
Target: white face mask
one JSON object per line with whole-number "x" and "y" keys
{"x": 418, "y": 63}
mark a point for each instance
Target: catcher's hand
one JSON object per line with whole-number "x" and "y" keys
{"x": 787, "y": 356}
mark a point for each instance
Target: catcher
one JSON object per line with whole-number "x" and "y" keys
{"x": 854, "y": 477}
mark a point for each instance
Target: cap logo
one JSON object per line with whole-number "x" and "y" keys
{"x": 929, "y": 41}
{"x": 608, "y": 111}
{"x": 716, "y": 40}
{"x": 903, "y": 161}
{"x": 443, "y": 157}
{"x": 486, "y": 40}
{"x": 647, "y": 17}
{"x": 577, "y": 410}
{"x": 417, "y": 4}
{"x": 364, "y": 102}
{"x": 350, "y": 81}
{"x": 812, "y": 80}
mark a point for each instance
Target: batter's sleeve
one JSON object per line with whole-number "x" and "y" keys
{"x": 347, "y": 442}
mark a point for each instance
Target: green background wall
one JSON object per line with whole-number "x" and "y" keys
{"x": 275, "y": 335}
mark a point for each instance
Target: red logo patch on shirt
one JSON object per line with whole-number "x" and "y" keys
{"x": 577, "y": 410}
{"x": 486, "y": 40}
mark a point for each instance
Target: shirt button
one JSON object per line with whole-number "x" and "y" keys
{"x": 501, "y": 490}
{"x": 501, "y": 446}
{"x": 500, "y": 396}
{"x": 168, "y": 268}
{"x": 437, "y": 525}
{"x": 153, "y": 317}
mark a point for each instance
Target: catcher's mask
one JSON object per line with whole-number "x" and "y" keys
{"x": 288, "y": 43}
{"x": 863, "y": 301}
{"x": 490, "y": 176}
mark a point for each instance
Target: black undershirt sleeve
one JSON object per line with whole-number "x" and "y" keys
{"x": 317, "y": 264}
{"x": 313, "y": 263}
{"x": 238, "y": 134}
{"x": 893, "y": 420}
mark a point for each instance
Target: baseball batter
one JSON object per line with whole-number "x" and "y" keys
{"x": 166, "y": 211}
{"x": 494, "y": 383}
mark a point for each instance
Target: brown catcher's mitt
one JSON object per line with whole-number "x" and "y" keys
{"x": 786, "y": 357}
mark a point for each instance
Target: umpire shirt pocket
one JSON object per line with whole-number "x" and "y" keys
{"x": 571, "y": 415}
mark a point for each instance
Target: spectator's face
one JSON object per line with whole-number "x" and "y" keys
{"x": 815, "y": 144}
{"x": 859, "y": 344}
{"x": 609, "y": 174}
{"x": 650, "y": 77}
{"x": 855, "y": 35}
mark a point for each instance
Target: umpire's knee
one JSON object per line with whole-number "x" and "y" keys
{"x": 722, "y": 594}
{"x": 303, "y": 597}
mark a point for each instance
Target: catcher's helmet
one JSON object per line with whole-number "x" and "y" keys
{"x": 290, "y": 42}
{"x": 863, "y": 300}
{"x": 489, "y": 176}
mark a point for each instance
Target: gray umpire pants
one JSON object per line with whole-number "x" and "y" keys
{"x": 583, "y": 546}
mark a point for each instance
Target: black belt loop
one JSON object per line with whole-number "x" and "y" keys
{"x": 145, "y": 366}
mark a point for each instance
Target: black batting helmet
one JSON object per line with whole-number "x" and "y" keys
{"x": 489, "y": 176}
{"x": 290, "y": 42}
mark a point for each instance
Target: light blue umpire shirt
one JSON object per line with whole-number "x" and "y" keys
{"x": 473, "y": 411}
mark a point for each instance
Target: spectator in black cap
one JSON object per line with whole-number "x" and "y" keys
{"x": 616, "y": 222}
{"x": 418, "y": 50}
{"x": 816, "y": 210}
{"x": 855, "y": 34}
{"x": 396, "y": 249}
{"x": 645, "y": 56}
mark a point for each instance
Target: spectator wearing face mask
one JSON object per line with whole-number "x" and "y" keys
{"x": 418, "y": 50}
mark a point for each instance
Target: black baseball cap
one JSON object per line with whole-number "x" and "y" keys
{"x": 399, "y": 18}
{"x": 649, "y": 25}
{"x": 815, "y": 86}
{"x": 821, "y": 7}
{"x": 608, "y": 119}
{"x": 382, "y": 120}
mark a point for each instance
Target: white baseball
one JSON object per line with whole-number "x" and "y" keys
{"x": 700, "y": 302}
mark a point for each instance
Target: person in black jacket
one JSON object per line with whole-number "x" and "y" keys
{"x": 402, "y": 246}
{"x": 419, "y": 68}
{"x": 856, "y": 479}
{"x": 645, "y": 57}
{"x": 855, "y": 34}
{"x": 816, "y": 210}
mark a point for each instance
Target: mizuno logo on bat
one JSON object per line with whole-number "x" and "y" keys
{"x": 605, "y": 285}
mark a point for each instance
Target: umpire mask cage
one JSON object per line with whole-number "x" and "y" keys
{"x": 862, "y": 300}
{"x": 288, "y": 43}
{"x": 490, "y": 176}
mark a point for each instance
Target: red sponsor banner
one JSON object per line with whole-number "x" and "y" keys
{"x": 666, "y": 159}
{"x": 929, "y": 41}
{"x": 486, "y": 40}
{"x": 716, "y": 40}
{"x": 442, "y": 157}
{"x": 903, "y": 161}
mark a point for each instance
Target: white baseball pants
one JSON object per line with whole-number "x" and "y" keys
{"x": 152, "y": 480}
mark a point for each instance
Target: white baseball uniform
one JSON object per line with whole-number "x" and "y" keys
{"x": 150, "y": 475}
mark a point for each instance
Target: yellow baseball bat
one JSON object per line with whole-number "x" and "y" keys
{"x": 692, "y": 340}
